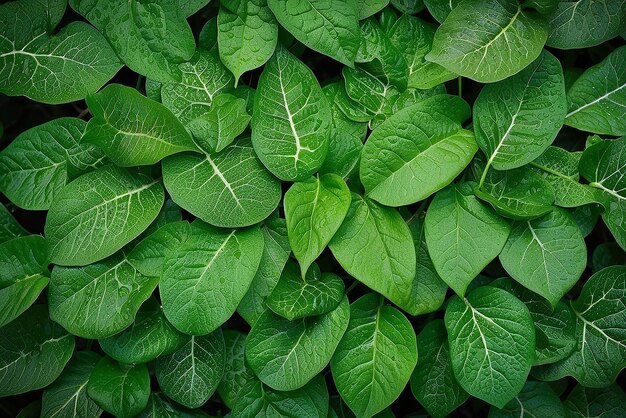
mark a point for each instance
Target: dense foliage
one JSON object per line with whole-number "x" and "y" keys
{"x": 313, "y": 208}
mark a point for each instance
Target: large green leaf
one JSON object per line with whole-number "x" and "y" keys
{"x": 98, "y": 300}
{"x": 40, "y": 161}
{"x": 190, "y": 375}
{"x": 597, "y": 99}
{"x": 286, "y": 355}
{"x": 375, "y": 246}
{"x": 326, "y": 26}
{"x": 99, "y": 213}
{"x": 518, "y": 118}
{"x": 585, "y": 402}
{"x": 291, "y": 118}
{"x": 463, "y": 235}
{"x": 59, "y": 68}
{"x": 403, "y": 166}
{"x": 33, "y": 352}
{"x": 236, "y": 372}
{"x": 207, "y": 275}
{"x": 229, "y": 189}
{"x": 151, "y": 38}
{"x": 536, "y": 399}
{"x": 375, "y": 358}
{"x": 132, "y": 129}
{"x": 492, "y": 343}
{"x": 314, "y": 210}
{"x": 488, "y": 40}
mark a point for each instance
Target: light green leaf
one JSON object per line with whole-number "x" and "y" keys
{"x": 190, "y": 375}
{"x": 247, "y": 33}
{"x": 372, "y": 95}
{"x": 326, "y": 26}
{"x": 291, "y": 118}
{"x": 120, "y": 389}
{"x": 385, "y": 260}
{"x": 17, "y": 297}
{"x": 375, "y": 358}
{"x": 229, "y": 189}
{"x": 132, "y": 129}
{"x": 353, "y": 110}
{"x": 463, "y": 235}
{"x": 59, "y": 68}
{"x": 536, "y": 399}
{"x": 492, "y": 343}
{"x": 9, "y": 226}
{"x": 489, "y": 40}
{"x": 33, "y": 352}
{"x": 207, "y": 275}
{"x": 236, "y": 372}
{"x": 76, "y": 227}
{"x": 585, "y": 402}
{"x": 22, "y": 258}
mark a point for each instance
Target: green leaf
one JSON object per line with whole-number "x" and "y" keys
{"x": 372, "y": 96}
{"x": 585, "y": 23}
{"x": 375, "y": 358}
{"x": 219, "y": 127}
{"x": 247, "y": 34}
{"x": 291, "y": 118}
{"x": 22, "y": 258}
{"x": 256, "y": 400}
{"x": 39, "y": 162}
{"x": 9, "y": 226}
{"x": 149, "y": 337}
{"x": 518, "y": 118}
{"x": 160, "y": 407}
{"x": 98, "y": 300}
{"x": 399, "y": 167}
{"x": 369, "y": 8}
{"x": 191, "y": 7}
{"x": 286, "y": 355}
{"x": 120, "y": 389}
{"x": 59, "y": 68}
{"x": 607, "y": 254}
{"x": 585, "y": 402}
{"x": 132, "y": 129}
{"x": 190, "y": 375}
{"x": 463, "y": 235}
{"x": 536, "y": 399}
{"x": 229, "y": 189}
{"x": 597, "y": 99}
{"x": 17, "y": 297}
{"x": 33, "y": 352}
{"x": 151, "y": 39}
{"x": 67, "y": 396}
{"x": 207, "y": 275}
{"x": 433, "y": 383}
{"x": 492, "y": 343}
{"x": 326, "y": 26}
{"x": 276, "y": 252}
{"x": 440, "y": 9}
{"x": 489, "y": 40}
{"x": 385, "y": 260}
{"x": 236, "y": 372}
{"x": 295, "y": 297}
{"x": 314, "y": 210}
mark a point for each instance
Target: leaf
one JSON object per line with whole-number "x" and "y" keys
{"x": 190, "y": 375}
{"x": 207, "y": 275}
{"x": 440, "y": 9}
{"x": 430, "y": 146}
{"x": 17, "y": 297}
{"x": 98, "y": 300}
{"x": 33, "y": 352}
{"x": 119, "y": 389}
{"x": 314, "y": 210}
{"x": 67, "y": 396}
{"x": 372, "y": 95}
{"x": 433, "y": 383}
{"x": 151, "y": 39}
{"x": 518, "y": 118}
{"x": 40, "y": 161}
{"x": 375, "y": 357}
{"x": 286, "y": 355}
{"x": 463, "y": 235}
{"x": 229, "y": 189}
{"x": 247, "y": 35}
{"x": 132, "y": 129}
{"x": 22, "y": 258}
{"x": 236, "y": 372}
{"x": 607, "y": 254}
{"x": 597, "y": 99}
{"x": 150, "y": 336}
{"x": 256, "y": 400}
{"x": 585, "y": 402}
{"x": 276, "y": 252}
{"x": 9, "y": 226}
{"x": 492, "y": 343}
{"x": 329, "y": 27}
{"x": 369, "y": 8}
{"x": 385, "y": 260}
{"x": 219, "y": 127}
{"x": 585, "y": 23}
{"x": 295, "y": 297}
{"x": 291, "y": 118}
{"x": 536, "y": 399}
{"x": 59, "y": 68}
{"x": 160, "y": 407}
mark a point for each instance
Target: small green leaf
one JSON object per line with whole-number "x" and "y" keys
{"x": 536, "y": 399}
{"x": 21, "y": 258}
{"x": 236, "y": 372}
{"x": 585, "y": 402}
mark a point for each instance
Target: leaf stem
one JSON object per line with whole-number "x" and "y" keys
{"x": 484, "y": 175}
{"x": 460, "y": 84}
